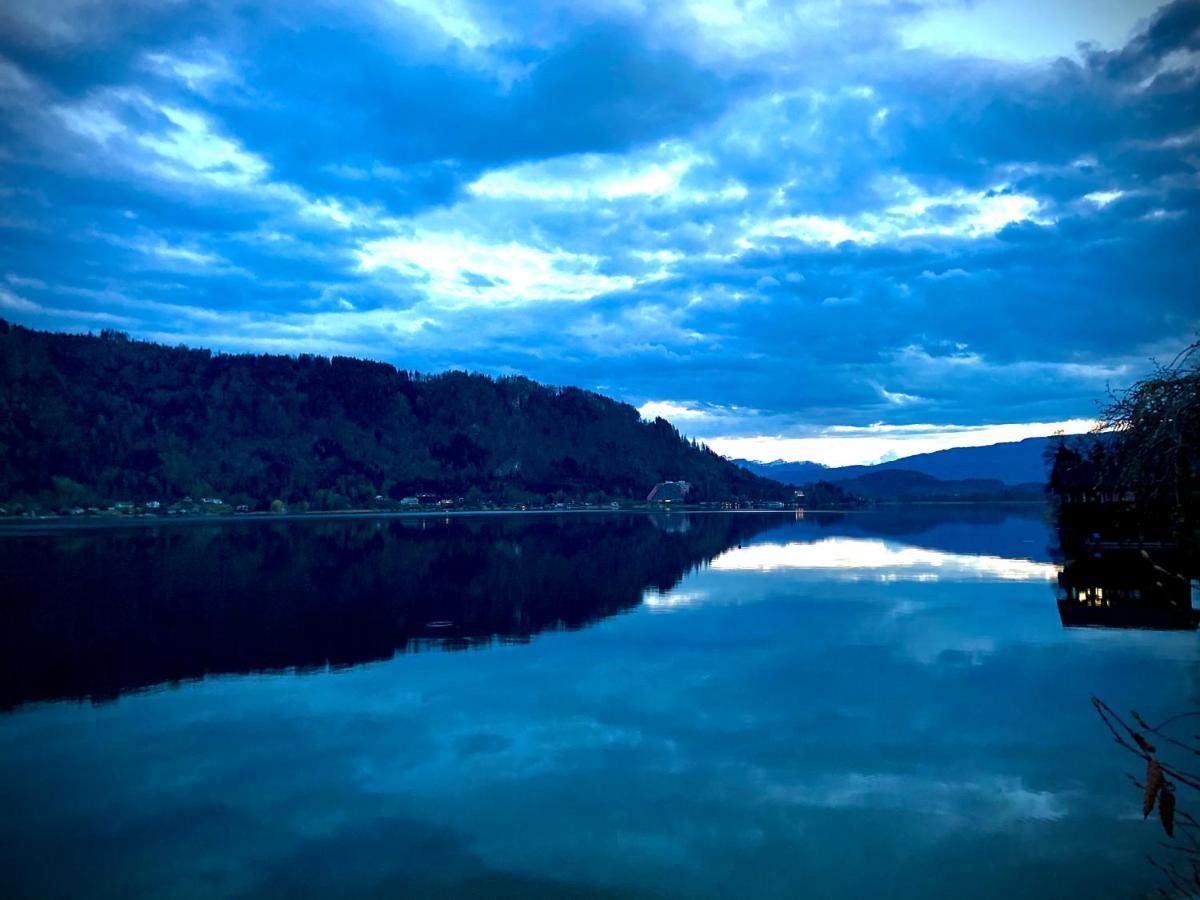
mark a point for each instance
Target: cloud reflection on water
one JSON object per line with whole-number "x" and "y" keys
{"x": 857, "y": 559}
{"x": 794, "y": 723}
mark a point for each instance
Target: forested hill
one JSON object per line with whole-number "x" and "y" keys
{"x": 87, "y": 420}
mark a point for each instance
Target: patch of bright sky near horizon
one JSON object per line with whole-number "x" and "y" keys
{"x": 854, "y": 445}
{"x": 1026, "y": 30}
{"x": 839, "y": 232}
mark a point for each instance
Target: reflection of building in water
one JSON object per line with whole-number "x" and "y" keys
{"x": 1124, "y": 589}
{"x": 677, "y": 524}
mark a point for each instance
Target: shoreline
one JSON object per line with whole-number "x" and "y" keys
{"x": 14, "y": 525}
{"x": 62, "y": 523}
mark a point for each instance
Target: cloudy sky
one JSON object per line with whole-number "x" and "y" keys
{"x": 834, "y": 231}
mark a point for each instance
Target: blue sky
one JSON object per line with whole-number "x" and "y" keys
{"x": 839, "y": 232}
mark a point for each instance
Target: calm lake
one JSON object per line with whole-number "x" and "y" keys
{"x": 740, "y": 705}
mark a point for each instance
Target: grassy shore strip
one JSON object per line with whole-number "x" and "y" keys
{"x": 16, "y": 525}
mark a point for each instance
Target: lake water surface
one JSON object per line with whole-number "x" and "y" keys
{"x": 736, "y": 705}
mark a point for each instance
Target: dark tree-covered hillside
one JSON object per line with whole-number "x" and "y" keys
{"x": 86, "y": 419}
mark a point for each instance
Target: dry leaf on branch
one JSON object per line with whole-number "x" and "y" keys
{"x": 1166, "y": 809}
{"x": 1154, "y": 783}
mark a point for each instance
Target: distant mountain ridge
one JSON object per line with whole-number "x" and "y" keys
{"x": 1016, "y": 468}
{"x": 901, "y": 484}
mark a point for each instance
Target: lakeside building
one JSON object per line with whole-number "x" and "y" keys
{"x": 669, "y": 492}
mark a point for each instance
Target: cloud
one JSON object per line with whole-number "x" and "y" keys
{"x": 956, "y": 214}
{"x": 689, "y": 413}
{"x": 1001, "y": 29}
{"x": 587, "y": 177}
{"x": 12, "y": 303}
{"x": 996, "y": 800}
{"x": 454, "y": 269}
{"x": 764, "y": 223}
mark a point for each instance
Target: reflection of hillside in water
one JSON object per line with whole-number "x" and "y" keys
{"x": 1101, "y": 582}
{"x": 1012, "y": 531}
{"x": 95, "y": 614}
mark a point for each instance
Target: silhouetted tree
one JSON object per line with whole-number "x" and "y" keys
{"x": 1144, "y": 465}
{"x": 1157, "y": 449}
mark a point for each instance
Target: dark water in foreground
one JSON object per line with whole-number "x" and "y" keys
{"x": 882, "y": 704}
